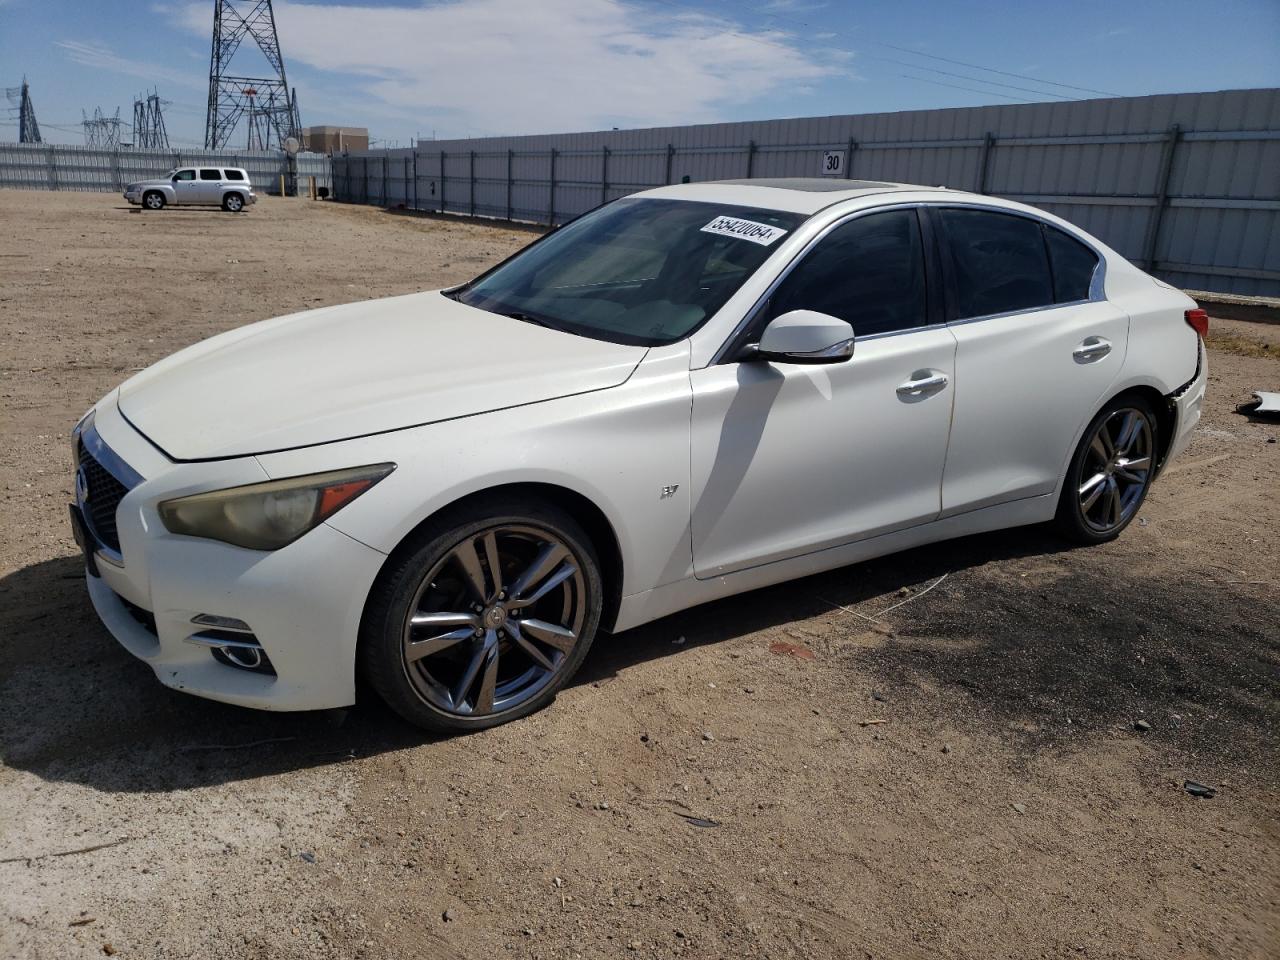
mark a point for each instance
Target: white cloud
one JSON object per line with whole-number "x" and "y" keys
{"x": 102, "y": 57}
{"x": 513, "y": 66}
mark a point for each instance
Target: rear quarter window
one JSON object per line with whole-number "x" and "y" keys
{"x": 1073, "y": 266}
{"x": 234, "y": 174}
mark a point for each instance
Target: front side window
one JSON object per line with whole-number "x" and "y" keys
{"x": 635, "y": 271}
{"x": 184, "y": 175}
{"x": 1000, "y": 262}
{"x": 1073, "y": 266}
{"x": 868, "y": 272}
{"x": 210, "y": 174}
{"x": 234, "y": 175}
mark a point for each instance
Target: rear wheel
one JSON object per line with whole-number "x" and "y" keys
{"x": 1110, "y": 473}
{"x": 153, "y": 200}
{"x": 233, "y": 203}
{"x": 483, "y": 617}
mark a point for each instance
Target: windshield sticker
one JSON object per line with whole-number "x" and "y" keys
{"x": 760, "y": 233}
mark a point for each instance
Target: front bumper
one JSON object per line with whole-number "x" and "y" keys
{"x": 303, "y": 603}
{"x": 133, "y": 196}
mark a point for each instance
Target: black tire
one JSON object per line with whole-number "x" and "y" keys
{"x": 153, "y": 200}
{"x": 416, "y": 566}
{"x": 233, "y": 202}
{"x": 1095, "y": 524}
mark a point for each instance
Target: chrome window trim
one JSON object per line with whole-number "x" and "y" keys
{"x": 749, "y": 317}
{"x": 86, "y": 432}
{"x": 1097, "y": 283}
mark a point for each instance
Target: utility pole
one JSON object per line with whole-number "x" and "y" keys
{"x": 149, "y": 132}
{"x": 267, "y": 103}
{"x": 101, "y": 131}
{"x": 28, "y": 129}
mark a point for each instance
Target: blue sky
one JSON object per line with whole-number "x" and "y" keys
{"x": 479, "y": 67}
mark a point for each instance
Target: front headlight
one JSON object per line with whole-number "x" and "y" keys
{"x": 271, "y": 515}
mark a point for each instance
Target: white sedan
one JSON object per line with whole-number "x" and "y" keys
{"x": 690, "y": 392}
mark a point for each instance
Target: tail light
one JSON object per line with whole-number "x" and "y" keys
{"x": 1198, "y": 321}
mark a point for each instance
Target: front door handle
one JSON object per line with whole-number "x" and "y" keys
{"x": 1091, "y": 349}
{"x": 922, "y": 384}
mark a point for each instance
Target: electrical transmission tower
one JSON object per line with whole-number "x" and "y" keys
{"x": 148, "y": 123}
{"x": 100, "y": 130}
{"x": 28, "y": 129}
{"x": 266, "y": 103}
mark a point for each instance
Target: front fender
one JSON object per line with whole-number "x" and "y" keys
{"x": 625, "y": 449}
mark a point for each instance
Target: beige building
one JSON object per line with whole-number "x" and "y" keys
{"x": 328, "y": 139}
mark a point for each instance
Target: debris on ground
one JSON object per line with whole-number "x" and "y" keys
{"x": 1197, "y": 789}
{"x": 1141, "y": 725}
{"x": 1020, "y": 808}
{"x": 697, "y": 821}
{"x": 1263, "y": 404}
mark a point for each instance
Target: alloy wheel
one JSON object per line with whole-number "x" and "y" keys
{"x": 494, "y": 621}
{"x": 1116, "y": 470}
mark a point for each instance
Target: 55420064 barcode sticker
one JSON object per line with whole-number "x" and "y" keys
{"x": 760, "y": 233}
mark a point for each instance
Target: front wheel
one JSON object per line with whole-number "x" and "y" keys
{"x": 483, "y": 616}
{"x": 153, "y": 200}
{"x": 1110, "y": 473}
{"x": 233, "y": 203}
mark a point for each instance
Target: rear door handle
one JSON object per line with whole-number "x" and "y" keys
{"x": 930, "y": 383}
{"x": 1091, "y": 349}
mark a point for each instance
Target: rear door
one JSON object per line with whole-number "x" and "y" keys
{"x": 210, "y": 185}
{"x": 1038, "y": 349}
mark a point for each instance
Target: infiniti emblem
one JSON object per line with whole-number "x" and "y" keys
{"x": 82, "y": 485}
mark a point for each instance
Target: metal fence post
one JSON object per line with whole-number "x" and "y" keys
{"x": 442, "y": 159}
{"x": 115, "y": 170}
{"x": 510, "y": 156}
{"x": 848, "y": 164}
{"x": 984, "y": 163}
{"x": 1161, "y": 198}
{"x": 671, "y": 152}
{"x": 551, "y": 207}
{"x": 415, "y": 177}
{"x": 751, "y": 157}
{"x": 604, "y": 174}
{"x": 386, "y": 163}
{"x": 52, "y": 168}
{"x": 473, "y": 183}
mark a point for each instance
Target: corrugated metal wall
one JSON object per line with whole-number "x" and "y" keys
{"x": 1185, "y": 184}
{"x": 42, "y": 166}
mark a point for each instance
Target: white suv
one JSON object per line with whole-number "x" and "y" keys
{"x": 226, "y": 187}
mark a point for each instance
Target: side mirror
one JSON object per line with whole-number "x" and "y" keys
{"x": 805, "y": 336}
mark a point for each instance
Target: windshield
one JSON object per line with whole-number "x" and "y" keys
{"x": 635, "y": 271}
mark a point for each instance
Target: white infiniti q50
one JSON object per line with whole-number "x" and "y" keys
{"x": 690, "y": 392}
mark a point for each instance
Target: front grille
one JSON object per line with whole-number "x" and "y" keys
{"x": 105, "y": 494}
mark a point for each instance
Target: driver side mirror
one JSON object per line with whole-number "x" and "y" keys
{"x": 805, "y": 336}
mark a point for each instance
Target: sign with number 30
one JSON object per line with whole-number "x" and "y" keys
{"x": 833, "y": 163}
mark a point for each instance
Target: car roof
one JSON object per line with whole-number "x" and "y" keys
{"x": 794, "y": 194}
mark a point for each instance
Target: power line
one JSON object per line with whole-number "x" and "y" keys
{"x": 930, "y": 56}
{"x": 956, "y": 86}
{"x": 961, "y": 76}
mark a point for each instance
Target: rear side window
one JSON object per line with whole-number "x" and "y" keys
{"x": 210, "y": 174}
{"x": 233, "y": 175}
{"x": 868, "y": 272}
{"x": 1073, "y": 266}
{"x": 1000, "y": 262}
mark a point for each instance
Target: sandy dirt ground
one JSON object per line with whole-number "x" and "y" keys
{"x": 950, "y": 773}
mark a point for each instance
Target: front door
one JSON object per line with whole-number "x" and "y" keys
{"x": 186, "y": 188}
{"x": 788, "y": 459}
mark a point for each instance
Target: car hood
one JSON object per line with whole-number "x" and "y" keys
{"x": 349, "y": 371}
